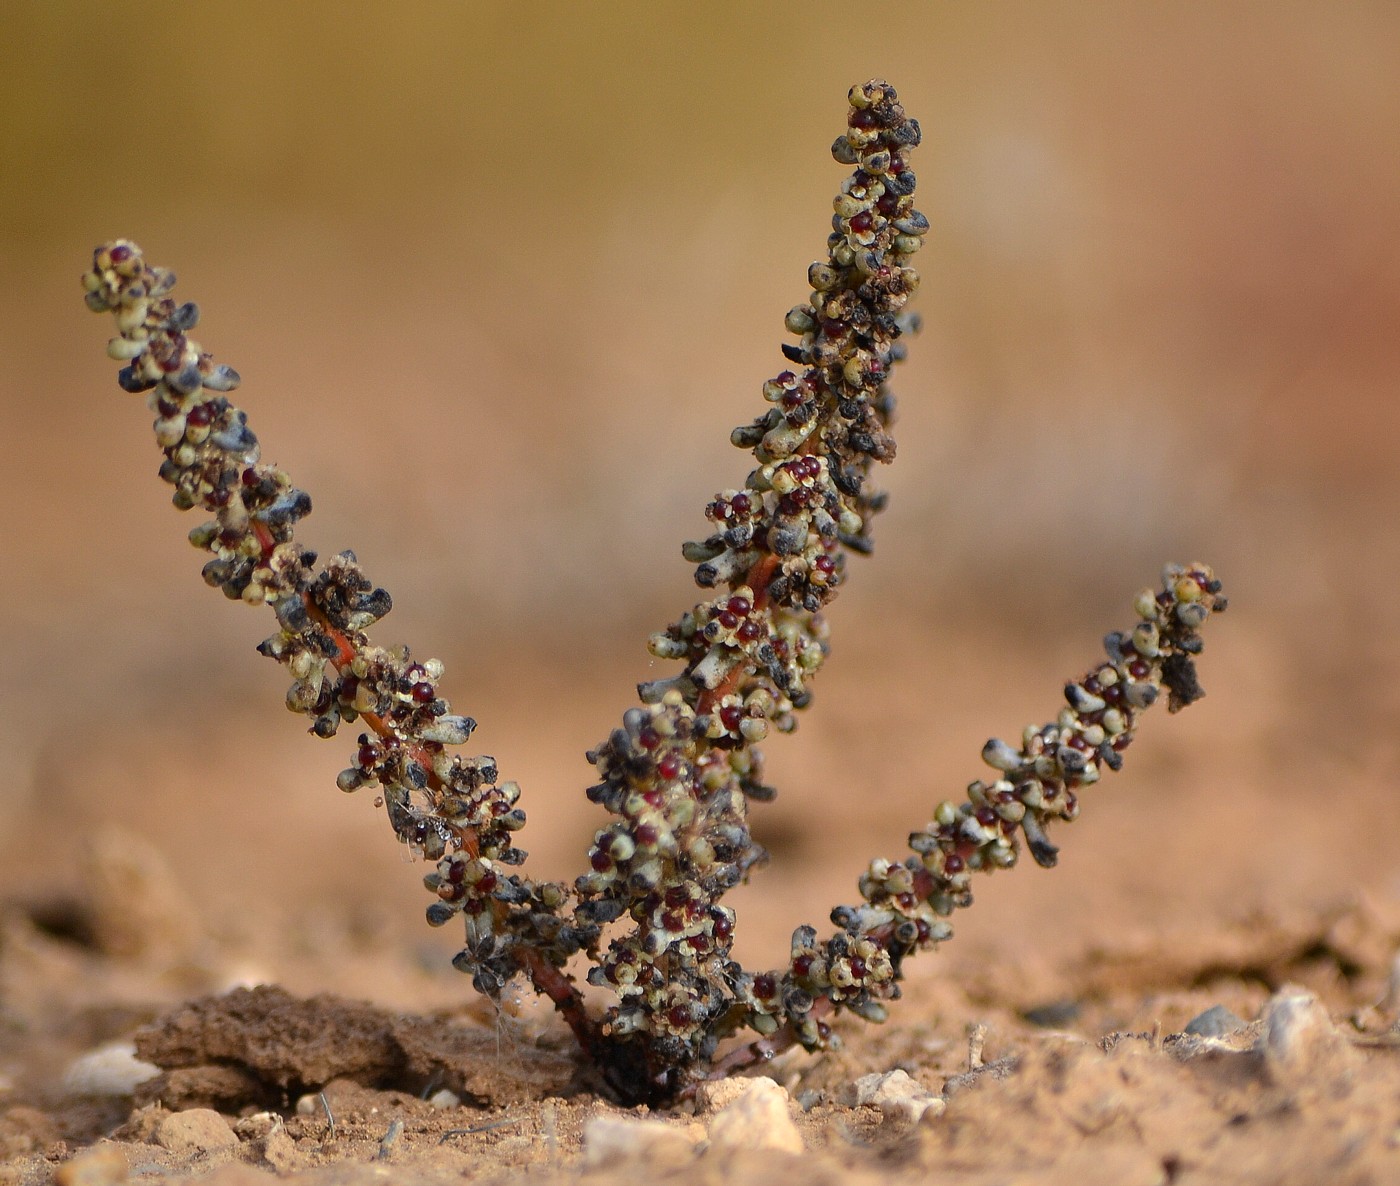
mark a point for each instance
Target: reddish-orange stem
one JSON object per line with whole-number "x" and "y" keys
{"x": 758, "y": 577}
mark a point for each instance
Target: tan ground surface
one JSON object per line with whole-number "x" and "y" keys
{"x": 499, "y": 284}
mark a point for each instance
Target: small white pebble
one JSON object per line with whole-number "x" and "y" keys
{"x": 111, "y": 1070}
{"x": 1300, "y": 1044}
{"x": 759, "y": 1118}
{"x": 610, "y": 1140}
{"x": 444, "y": 1100}
{"x": 895, "y": 1093}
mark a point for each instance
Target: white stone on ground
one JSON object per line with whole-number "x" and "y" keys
{"x": 895, "y": 1093}
{"x": 757, "y": 1118}
{"x": 110, "y": 1070}
{"x": 611, "y": 1140}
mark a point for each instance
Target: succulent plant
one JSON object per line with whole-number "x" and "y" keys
{"x": 679, "y": 773}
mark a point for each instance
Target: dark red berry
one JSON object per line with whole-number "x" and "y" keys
{"x": 764, "y": 988}
{"x": 119, "y": 254}
{"x": 200, "y": 415}
{"x": 731, "y": 717}
{"x": 727, "y": 619}
{"x": 785, "y": 378}
{"x": 858, "y": 967}
{"x": 985, "y": 815}
{"x": 824, "y": 564}
{"x": 862, "y": 222}
{"x": 219, "y": 496}
{"x": 750, "y": 631}
{"x": 897, "y": 164}
{"x": 421, "y": 693}
{"x": 486, "y": 884}
{"x": 723, "y": 928}
{"x": 668, "y": 767}
{"x": 250, "y": 477}
{"x": 1139, "y": 668}
{"x": 645, "y": 835}
{"x": 678, "y": 1016}
{"x": 166, "y": 408}
{"x": 952, "y": 863}
{"x": 802, "y": 965}
{"x": 366, "y": 756}
{"x": 600, "y": 861}
{"x": 739, "y": 605}
{"x": 742, "y": 504}
{"x": 888, "y": 205}
{"x": 649, "y": 738}
{"x": 862, "y": 118}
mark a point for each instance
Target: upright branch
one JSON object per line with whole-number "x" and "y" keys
{"x": 451, "y": 809}
{"x": 904, "y": 903}
{"x": 679, "y": 773}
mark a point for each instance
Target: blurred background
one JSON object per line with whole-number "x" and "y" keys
{"x": 501, "y": 277}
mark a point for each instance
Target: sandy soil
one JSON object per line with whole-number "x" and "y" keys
{"x": 1045, "y": 1044}
{"x": 1160, "y": 305}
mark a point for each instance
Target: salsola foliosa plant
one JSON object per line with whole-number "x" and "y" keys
{"x": 678, "y": 775}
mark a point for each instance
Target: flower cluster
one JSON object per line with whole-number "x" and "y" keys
{"x": 905, "y": 903}
{"x": 678, "y": 774}
{"x": 680, "y": 771}
{"x": 449, "y": 808}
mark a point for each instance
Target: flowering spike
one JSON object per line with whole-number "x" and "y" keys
{"x": 678, "y": 773}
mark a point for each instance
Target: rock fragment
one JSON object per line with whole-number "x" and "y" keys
{"x": 112, "y": 1070}
{"x": 759, "y": 1118}
{"x": 1215, "y": 1022}
{"x": 198, "y": 1130}
{"x": 103, "y": 1165}
{"x": 896, "y": 1094}
{"x": 1300, "y": 1046}
{"x": 611, "y": 1140}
